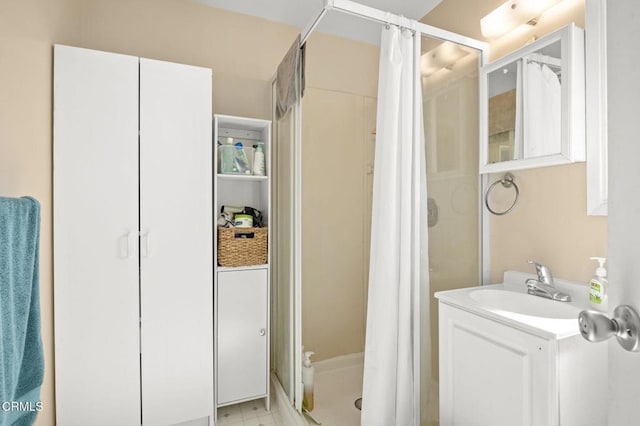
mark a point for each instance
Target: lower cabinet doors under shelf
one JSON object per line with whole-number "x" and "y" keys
{"x": 242, "y": 338}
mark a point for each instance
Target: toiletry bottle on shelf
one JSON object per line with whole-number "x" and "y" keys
{"x": 226, "y": 156}
{"x": 242, "y": 163}
{"x": 598, "y": 291}
{"x": 258, "y": 161}
{"x": 307, "y": 382}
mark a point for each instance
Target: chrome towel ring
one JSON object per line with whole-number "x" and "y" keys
{"x": 507, "y": 181}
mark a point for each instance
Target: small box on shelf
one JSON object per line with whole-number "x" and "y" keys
{"x": 235, "y": 160}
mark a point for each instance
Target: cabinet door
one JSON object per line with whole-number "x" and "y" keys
{"x": 493, "y": 374}
{"x": 242, "y": 335}
{"x": 176, "y": 242}
{"x": 95, "y": 174}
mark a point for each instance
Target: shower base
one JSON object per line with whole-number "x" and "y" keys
{"x": 337, "y": 384}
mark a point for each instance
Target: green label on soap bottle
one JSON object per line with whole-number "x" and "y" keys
{"x": 595, "y": 292}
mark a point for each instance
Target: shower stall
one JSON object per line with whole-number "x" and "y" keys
{"x": 323, "y": 162}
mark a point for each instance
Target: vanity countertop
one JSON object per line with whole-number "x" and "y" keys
{"x": 510, "y": 304}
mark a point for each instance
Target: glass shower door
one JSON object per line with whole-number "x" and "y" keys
{"x": 449, "y": 74}
{"x": 285, "y": 284}
{"x": 282, "y": 314}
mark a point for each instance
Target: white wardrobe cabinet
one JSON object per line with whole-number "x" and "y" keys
{"x": 133, "y": 240}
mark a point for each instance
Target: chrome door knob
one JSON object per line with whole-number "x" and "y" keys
{"x": 596, "y": 326}
{"x": 625, "y": 325}
{"x": 262, "y": 332}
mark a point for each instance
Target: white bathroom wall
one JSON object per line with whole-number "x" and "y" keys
{"x": 28, "y": 30}
{"x": 550, "y": 222}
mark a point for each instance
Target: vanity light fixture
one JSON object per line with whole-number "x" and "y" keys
{"x": 511, "y": 14}
{"x": 444, "y": 55}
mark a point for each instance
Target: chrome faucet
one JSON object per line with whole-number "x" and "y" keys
{"x": 543, "y": 286}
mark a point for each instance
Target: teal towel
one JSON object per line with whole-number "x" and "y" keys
{"x": 21, "y": 356}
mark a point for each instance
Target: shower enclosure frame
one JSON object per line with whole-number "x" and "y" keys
{"x": 421, "y": 29}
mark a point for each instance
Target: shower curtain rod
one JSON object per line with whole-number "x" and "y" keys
{"x": 544, "y": 59}
{"x": 372, "y": 14}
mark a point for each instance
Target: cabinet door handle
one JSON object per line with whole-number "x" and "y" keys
{"x": 125, "y": 243}
{"x": 262, "y": 332}
{"x": 145, "y": 244}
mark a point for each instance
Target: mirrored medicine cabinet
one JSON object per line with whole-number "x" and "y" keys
{"x": 532, "y": 109}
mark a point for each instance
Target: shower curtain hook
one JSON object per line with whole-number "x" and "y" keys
{"x": 387, "y": 23}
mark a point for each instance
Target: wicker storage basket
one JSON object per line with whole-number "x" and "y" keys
{"x": 242, "y": 246}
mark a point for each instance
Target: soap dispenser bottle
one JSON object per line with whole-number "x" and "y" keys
{"x": 258, "y": 161}
{"x": 307, "y": 382}
{"x": 598, "y": 291}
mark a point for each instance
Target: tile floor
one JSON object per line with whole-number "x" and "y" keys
{"x": 252, "y": 413}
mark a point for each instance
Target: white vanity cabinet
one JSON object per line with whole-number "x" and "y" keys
{"x": 496, "y": 371}
{"x": 242, "y": 293}
{"x": 133, "y": 240}
{"x": 492, "y": 374}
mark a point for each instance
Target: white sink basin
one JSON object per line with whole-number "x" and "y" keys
{"x": 509, "y": 303}
{"x": 523, "y": 304}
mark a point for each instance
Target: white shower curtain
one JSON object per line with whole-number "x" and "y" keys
{"x": 398, "y": 266}
{"x": 542, "y": 110}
